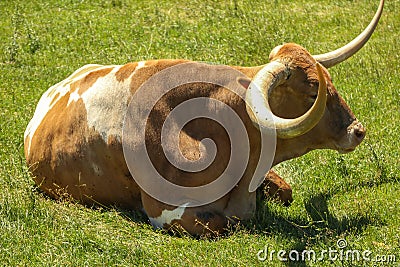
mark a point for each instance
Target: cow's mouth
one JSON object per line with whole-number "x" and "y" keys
{"x": 349, "y": 145}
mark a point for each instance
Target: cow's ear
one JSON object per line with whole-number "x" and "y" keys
{"x": 244, "y": 81}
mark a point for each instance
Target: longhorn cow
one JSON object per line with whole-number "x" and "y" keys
{"x": 73, "y": 144}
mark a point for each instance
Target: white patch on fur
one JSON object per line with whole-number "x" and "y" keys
{"x": 106, "y": 105}
{"x": 140, "y": 65}
{"x": 73, "y": 97}
{"x": 167, "y": 216}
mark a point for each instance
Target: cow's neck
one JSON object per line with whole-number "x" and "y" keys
{"x": 289, "y": 149}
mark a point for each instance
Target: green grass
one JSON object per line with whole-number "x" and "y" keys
{"x": 354, "y": 196}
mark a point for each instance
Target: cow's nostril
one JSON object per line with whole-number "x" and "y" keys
{"x": 359, "y": 131}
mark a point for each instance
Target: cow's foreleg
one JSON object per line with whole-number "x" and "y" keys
{"x": 275, "y": 187}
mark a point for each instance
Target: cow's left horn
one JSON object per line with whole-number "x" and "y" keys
{"x": 269, "y": 77}
{"x": 333, "y": 58}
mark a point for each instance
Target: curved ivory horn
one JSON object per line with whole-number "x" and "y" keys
{"x": 272, "y": 75}
{"x": 332, "y": 58}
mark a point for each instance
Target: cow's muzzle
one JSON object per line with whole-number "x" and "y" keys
{"x": 355, "y": 135}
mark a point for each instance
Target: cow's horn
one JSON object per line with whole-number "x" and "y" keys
{"x": 269, "y": 77}
{"x": 332, "y": 58}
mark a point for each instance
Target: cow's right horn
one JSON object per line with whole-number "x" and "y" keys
{"x": 332, "y": 58}
{"x": 269, "y": 77}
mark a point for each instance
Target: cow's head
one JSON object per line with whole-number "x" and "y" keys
{"x": 298, "y": 89}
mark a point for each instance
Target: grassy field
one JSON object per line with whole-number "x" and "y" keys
{"x": 355, "y": 197}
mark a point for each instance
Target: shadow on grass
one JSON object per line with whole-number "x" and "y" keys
{"x": 321, "y": 226}
{"x": 317, "y": 208}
